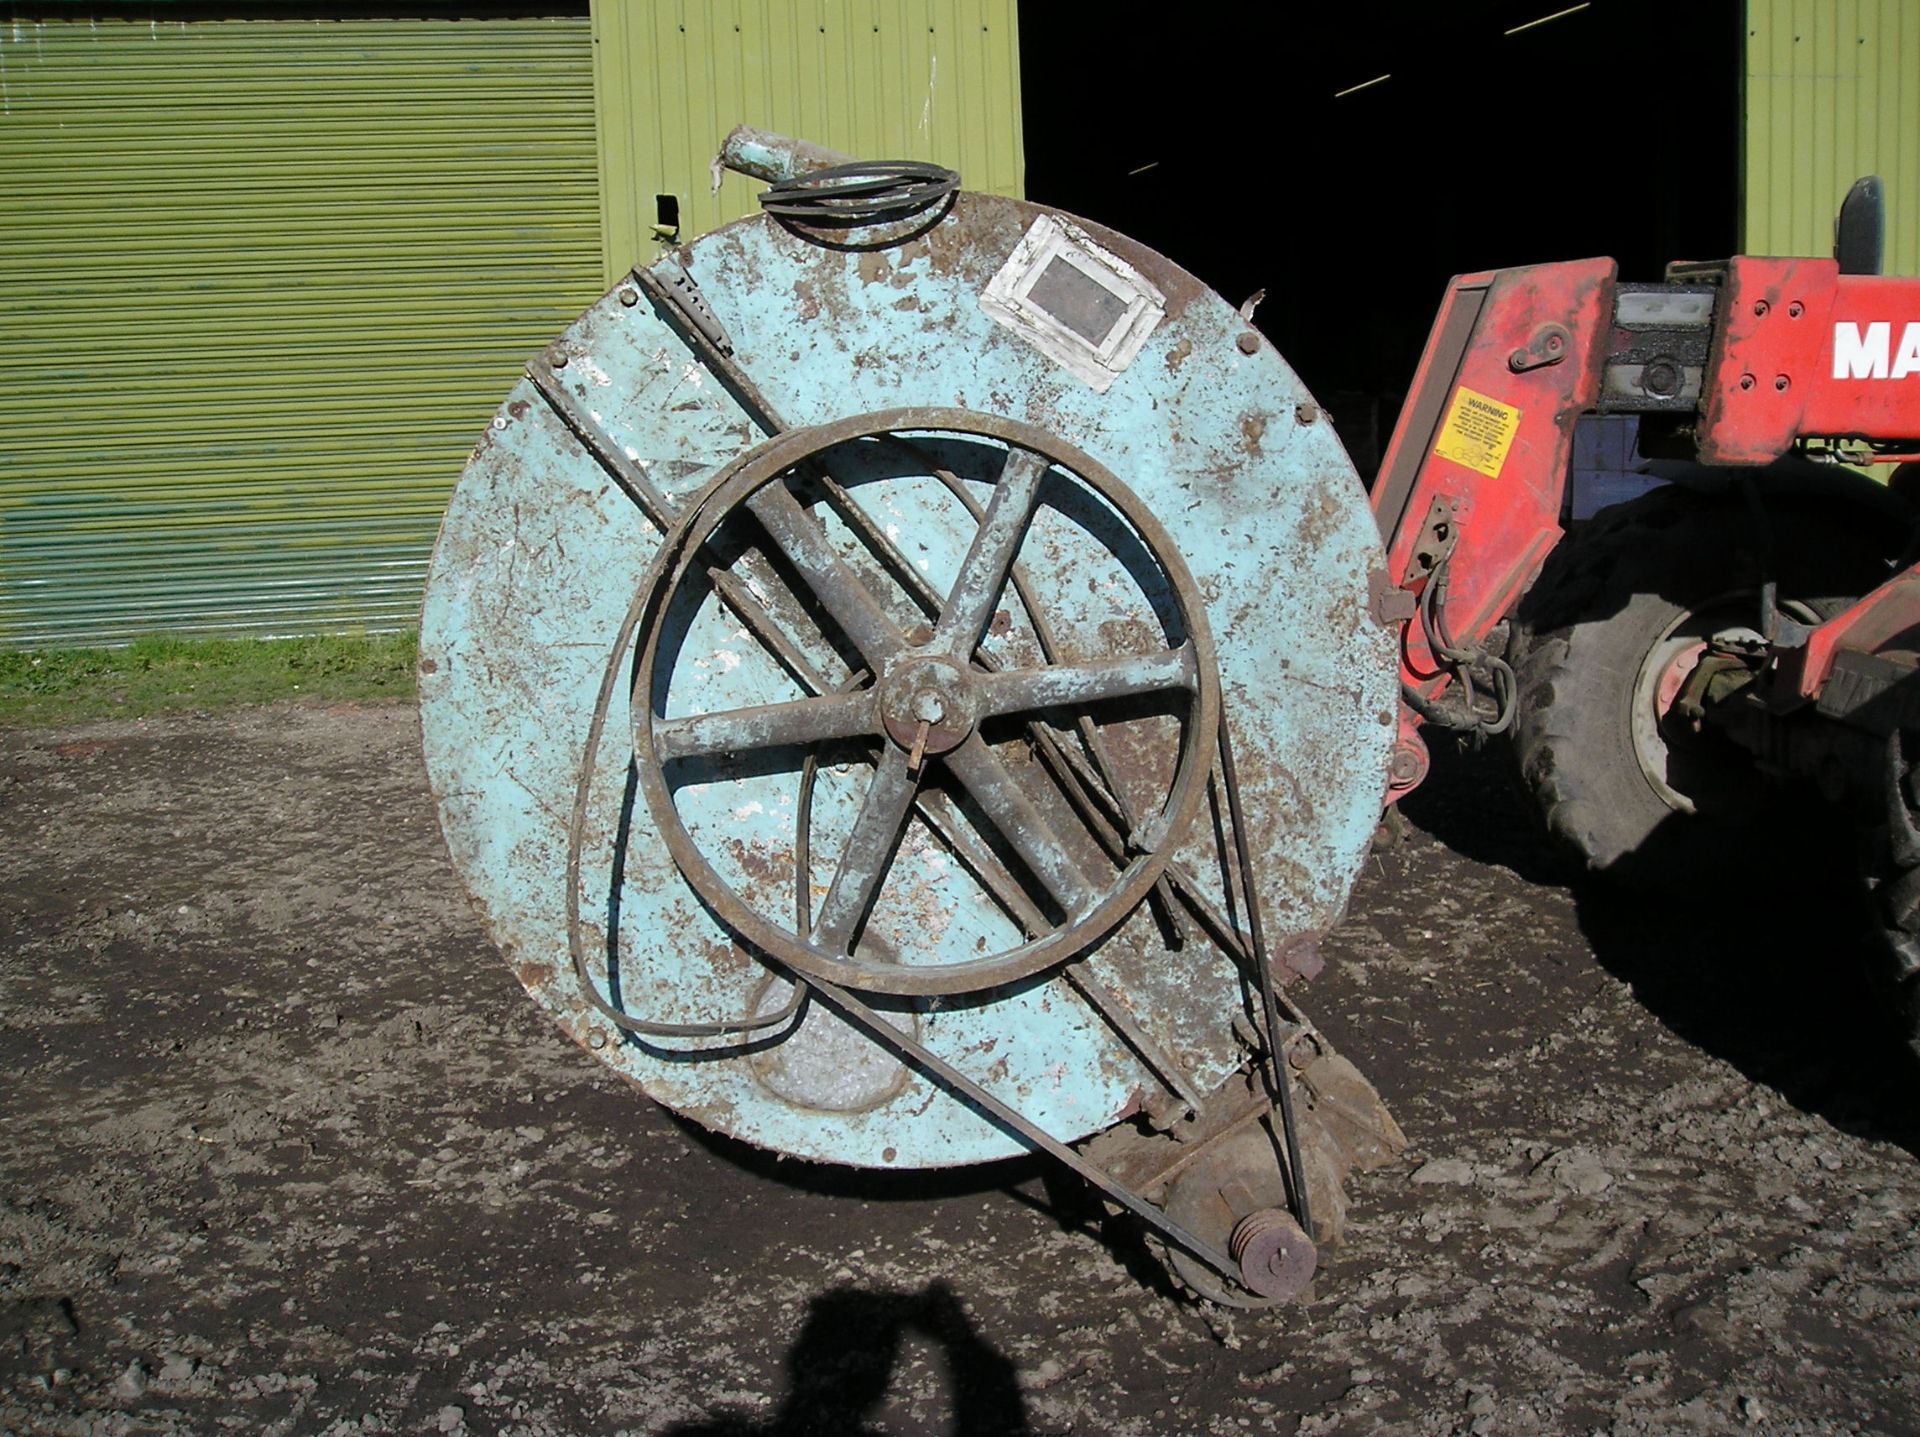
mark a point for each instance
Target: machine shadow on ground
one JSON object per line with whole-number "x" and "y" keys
{"x": 1034, "y": 1182}
{"x": 1769, "y": 976}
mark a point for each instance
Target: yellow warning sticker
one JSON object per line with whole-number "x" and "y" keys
{"x": 1478, "y": 432}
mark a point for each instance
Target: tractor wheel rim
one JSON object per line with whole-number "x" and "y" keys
{"x": 1670, "y": 661}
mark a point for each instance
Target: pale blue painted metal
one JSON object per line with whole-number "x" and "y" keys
{"x": 541, "y": 553}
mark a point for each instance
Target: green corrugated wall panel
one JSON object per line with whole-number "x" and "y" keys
{"x": 1833, "y": 93}
{"x": 262, "y": 282}
{"x": 884, "y": 79}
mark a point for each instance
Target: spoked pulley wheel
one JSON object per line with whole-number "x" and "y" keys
{"x": 940, "y": 680}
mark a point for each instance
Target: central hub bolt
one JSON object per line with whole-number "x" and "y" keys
{"x": 926, "y": 703}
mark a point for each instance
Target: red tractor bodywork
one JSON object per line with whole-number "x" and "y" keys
{"x": 1742, "y": 360}
{"x": 1803, "y": 351}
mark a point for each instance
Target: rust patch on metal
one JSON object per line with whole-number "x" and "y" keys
{"x": 874, "y": 267}
{"x": 1253, "y": 428}
{"x": 1178, "y": 355}
{"x": 1299, "y": 956}
{"x": 760, "y": 863}
{"x": 1140, "y": 756}
{"x": 1131, "y": 635}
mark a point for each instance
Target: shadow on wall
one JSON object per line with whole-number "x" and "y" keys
{"x": 842, "y": 1363}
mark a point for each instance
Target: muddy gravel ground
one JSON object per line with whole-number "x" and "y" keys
{"x": 286, "y": 1149}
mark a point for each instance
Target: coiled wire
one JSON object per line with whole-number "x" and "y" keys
{"x": 843, "y": 197}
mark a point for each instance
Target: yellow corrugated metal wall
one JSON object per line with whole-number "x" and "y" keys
{"x": 261, "y": 284}
{"x": 883, "y": 79}
{"x": 1833, "y": 93}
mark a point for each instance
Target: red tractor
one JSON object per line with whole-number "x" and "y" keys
{"x": 1675, "y": 671}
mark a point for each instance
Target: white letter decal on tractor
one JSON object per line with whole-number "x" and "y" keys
{"x": 1907, "y": 361}
{"x": 1857, "y": 358}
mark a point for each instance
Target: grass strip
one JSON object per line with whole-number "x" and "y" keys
{"x": 50, "y": 687}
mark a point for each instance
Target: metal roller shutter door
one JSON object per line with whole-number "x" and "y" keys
{"x": 261, "y": 284}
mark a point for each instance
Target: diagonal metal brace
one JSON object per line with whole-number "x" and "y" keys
{"x": 910, "y": 1050}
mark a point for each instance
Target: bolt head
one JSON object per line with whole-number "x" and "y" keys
{"x": 629, "y": 297}
{"x": 1747, "y": 381}
{"x": 1249, "y": 343}
{"x": 1760, "y": 307}
{"x": 1781, "y": 382}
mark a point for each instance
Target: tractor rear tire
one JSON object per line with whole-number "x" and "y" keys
{"x": 1619, "y": 612}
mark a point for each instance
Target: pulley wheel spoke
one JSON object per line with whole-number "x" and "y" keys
{"x": 762, "y": 726}
{"x": 983, "y": 573}
{"x": 868, "y": 854}
{"x": 800, "y": 538}
{"x": 1021, "y": 824}
{"x": 1076, "y": 685}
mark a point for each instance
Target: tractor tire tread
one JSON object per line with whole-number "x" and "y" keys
{"x": 1581, "y": 633}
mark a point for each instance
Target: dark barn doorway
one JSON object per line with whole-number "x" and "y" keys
{"x": 1221, "y": 137}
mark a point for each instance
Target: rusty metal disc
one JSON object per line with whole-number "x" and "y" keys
{"x": 1114, "y": 362}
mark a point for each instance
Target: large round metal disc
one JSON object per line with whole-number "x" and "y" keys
{"x": 544, "y": 548}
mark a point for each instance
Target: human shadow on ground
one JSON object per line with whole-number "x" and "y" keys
{"x": 1768, "y": 971}
{"x": 841, "y": 1367}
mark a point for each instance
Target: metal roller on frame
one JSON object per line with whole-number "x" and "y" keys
{"x": 900, "y": 676}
